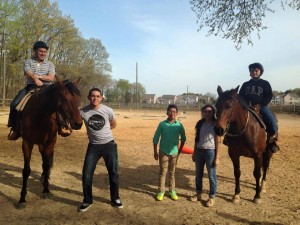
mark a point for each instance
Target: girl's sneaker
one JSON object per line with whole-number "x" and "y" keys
{"x": 160, "y": 196}
{"x": 210, "y": 202}
{"x": 196, "y": 197}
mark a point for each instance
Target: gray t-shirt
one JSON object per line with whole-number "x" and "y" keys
{"x": 97, "y": 123}
{"x": 207, "y": 136}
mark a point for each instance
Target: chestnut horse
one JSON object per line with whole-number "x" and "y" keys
{"x": 245, "y": 136}
{"x": 39, "y": 125}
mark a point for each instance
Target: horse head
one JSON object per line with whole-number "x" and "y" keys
{"x": 225, "y": 109}
{"x": 69, "y": 102}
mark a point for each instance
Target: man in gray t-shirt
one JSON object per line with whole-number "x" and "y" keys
{"x": 99, "y": 121}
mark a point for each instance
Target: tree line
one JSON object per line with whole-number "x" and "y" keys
{"x": 22, "y": 22}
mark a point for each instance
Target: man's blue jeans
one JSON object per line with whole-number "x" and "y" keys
{"x": 270, "y": 120}
{"x": 13, "y": 114}
{"x": 94, "y": 153}
{"x": 202, "y": 157}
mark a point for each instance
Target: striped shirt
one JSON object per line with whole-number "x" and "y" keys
{"x": 44, "y": 68}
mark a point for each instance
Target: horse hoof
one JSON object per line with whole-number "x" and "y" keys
{"x": 236, "y": 199}
{"x": 21, "y": 205}
{"x": 257, "y": 201}
{"x": 47, "y": 195}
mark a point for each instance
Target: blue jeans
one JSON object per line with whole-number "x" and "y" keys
{"x": 270, "y": 120}
{"x": 13, "y": 114}
{"x": 94, "y": 153}
{"x": 202, "y": 157}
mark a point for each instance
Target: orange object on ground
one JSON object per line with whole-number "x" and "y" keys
{"x": 187, "y": 150}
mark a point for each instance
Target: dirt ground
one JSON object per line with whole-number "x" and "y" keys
{"x": 139, "y": 179}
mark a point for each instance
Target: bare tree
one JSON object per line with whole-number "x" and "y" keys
{"x": 236, "y": 20}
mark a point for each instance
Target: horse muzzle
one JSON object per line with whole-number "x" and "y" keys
{"x": 76, "y": 126}
{"x": 219, "y": 131}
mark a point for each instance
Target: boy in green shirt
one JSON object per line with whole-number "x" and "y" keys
{"x": 168, "y": 132}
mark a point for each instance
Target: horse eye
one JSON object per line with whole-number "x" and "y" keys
{"x": 228, "y": 106}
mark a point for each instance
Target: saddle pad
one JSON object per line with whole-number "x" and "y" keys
{"x": 23, "y": 102}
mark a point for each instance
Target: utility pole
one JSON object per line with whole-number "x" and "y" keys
{"x": 4, "y": 75}
{"x": 136, "y": 86}
{"x": 187, "y": 96}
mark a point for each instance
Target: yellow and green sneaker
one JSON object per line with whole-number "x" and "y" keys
{"x": 173, "y": 195}
{"x": 160, "y": 196}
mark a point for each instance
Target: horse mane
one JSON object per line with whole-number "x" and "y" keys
{"x": 52, "y": 90}
{"x": 71, "y": 87}
{"x": 67, "y": 83}
{"x": 228, "y": 95}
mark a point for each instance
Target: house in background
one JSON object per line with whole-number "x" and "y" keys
{"x": 291, "y": 99}
{"x": 277, "y": 100}
{"x": 149, "y": 99}
{"x": 167, "y": 99}
{"x": 190, "y": 99}
{"x": 287, "y": 99}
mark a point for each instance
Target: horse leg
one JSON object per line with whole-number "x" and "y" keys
{"x": 237, "y": 173}
{"x": 27, "y": 150}
{"x": 47, "y": 157}
{"x": 266, "y": 162}
{"x": 257, "y": 174}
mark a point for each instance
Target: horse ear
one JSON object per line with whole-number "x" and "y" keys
{"x": 219, "y": 90}
{"x": 76, "y": 82}
{"x": 58, "y": 79}
{"x": 236, "y": 89}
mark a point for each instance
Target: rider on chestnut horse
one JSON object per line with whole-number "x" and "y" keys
{"x": 257, "y": 91}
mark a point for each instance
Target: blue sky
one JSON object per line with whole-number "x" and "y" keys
{"x": 162, "y": 37}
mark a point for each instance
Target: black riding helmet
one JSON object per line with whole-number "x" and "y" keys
{"x": 40, "y": 44}
{"x": 256, "y": 66}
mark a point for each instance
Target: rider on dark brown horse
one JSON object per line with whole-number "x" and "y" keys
{"x": 39, "y": 72}
{"x": 257, "y": 91}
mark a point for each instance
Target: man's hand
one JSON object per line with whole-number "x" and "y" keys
{"x": 155, "y": 155}
{"x": 38, "y": 82}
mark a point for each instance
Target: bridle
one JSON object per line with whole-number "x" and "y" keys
{"x": 228, "y": 125}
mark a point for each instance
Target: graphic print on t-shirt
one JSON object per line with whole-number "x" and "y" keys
{"x": 96, "y": 122}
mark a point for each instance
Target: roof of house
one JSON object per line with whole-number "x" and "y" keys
{"x": 149, "y": 96}
{"x": 168, "y": 96}
{"x": 292, "y": 95}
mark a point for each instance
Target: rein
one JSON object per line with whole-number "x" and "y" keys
{"x": 228, "y": 126}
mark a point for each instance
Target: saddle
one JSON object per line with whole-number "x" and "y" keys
{"x": 255, "y": 110}
{"x": 23, "y": 102}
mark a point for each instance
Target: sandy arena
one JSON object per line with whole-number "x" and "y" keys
{"x": 139, "y": 178}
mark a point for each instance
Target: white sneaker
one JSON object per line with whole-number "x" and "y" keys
{"x": 210, "y": 202}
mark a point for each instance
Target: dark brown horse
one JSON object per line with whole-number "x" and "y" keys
{"x": 245, "y": 136}
{"x": 39, "y": 125}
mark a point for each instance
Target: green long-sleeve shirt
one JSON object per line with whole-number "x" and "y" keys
{"x": 169, "y": 133}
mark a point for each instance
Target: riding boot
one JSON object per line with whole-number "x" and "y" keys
{"x": 12, "y": 117}
{"x": 64, "y": 127}
{"x": 15, "y": 131}
{"x": 273, "y": 144}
